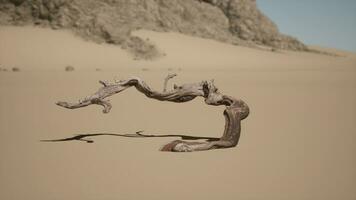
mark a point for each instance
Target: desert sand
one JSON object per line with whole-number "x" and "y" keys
{"x": 298, "y": 142}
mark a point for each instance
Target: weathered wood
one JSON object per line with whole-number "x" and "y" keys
{"x": 236, "y": 110}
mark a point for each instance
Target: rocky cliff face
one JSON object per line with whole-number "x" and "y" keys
{"x": 233, "y": 21}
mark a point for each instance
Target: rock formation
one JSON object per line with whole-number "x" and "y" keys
{"x": 238, "y": 22}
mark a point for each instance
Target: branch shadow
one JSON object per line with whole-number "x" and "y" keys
{"x": 138, "y": 134}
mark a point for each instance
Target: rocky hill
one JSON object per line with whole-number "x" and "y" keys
{"x": 238, "y": 22}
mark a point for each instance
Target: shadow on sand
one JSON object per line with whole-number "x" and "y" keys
{"x": 138, "y": 134}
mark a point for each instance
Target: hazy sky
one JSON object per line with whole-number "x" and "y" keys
{"x": 328, "y": 23}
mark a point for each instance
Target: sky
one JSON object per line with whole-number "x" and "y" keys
{"x": 326, "y": 23}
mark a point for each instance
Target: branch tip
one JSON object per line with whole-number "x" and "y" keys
{"x": 62, "y": 104}
{"x": 104, "y": 83}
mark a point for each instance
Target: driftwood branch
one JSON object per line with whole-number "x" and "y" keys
{"x": 236, "y": 110}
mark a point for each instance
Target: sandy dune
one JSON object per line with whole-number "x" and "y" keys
{"x": 298, "y": 143}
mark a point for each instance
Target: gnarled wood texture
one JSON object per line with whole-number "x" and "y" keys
{"x": 236, "y": 110}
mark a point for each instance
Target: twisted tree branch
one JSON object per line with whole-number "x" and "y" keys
{"x": 236, "y": 110}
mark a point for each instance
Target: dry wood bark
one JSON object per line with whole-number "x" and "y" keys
{"x": 236, "y": 110}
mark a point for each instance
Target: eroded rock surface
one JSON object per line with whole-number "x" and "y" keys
{"x": 238, "y": 22}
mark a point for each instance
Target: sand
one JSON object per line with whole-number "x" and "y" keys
{"x": 298, "y": 142}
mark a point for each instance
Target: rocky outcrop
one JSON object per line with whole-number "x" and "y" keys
{"x": 248, "y": 23}
{"x": 112, "y": 21}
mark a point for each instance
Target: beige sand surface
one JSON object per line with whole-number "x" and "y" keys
{"x": 299, "y": 142}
